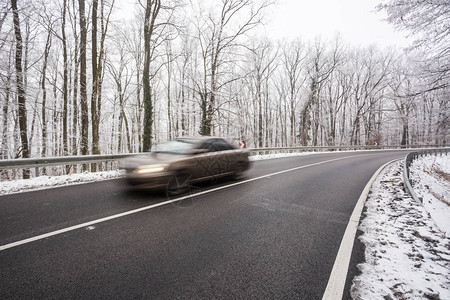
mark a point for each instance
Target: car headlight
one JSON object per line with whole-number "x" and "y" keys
{"x": 149, "y": 169}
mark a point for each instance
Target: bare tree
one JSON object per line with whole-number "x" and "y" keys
{"x": 132, "y": 39}
{"x": 185, "y": 62}
{"x": 21, "y": 94}
{"x": 44, "y": 93}
{"x": 97, "y": 73}
{"x": 122, "y": 79}
{"x": 152, "y": 9}
{"x": 323, "y": 63}
{"x": 371, "y": 69}
{"x": 336, "y": 94}
{"x": 428, "y": 21}
{"x": 65, "y": 78}
{"x": 200, "y": 69}
{"x": 158, "y": 23}
{"x": 83, "y": 80}
{"x": 218, "y": 34}
{"x": 95, "y": 78}
{"x": 262, "y": 64}
{"x": 75, "y": 82}
{"x": 7, "y": 82}
{"x": 293, "y": 65}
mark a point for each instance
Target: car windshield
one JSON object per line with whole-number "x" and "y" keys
{"x": 180, "y": 146}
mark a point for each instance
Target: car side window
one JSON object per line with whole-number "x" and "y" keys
{"x": 221, "y": 145}
{"x": 215, "y": 145}
{"x": 207, "y": 146}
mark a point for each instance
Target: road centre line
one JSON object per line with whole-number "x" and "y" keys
{"x": 134, "y": 211}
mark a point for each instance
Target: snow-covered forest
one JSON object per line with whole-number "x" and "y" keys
{"x": 84, "y": 77}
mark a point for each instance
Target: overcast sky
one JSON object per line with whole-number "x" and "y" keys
{"x": 356, "y": 20}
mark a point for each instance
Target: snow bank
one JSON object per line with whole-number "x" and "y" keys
{"x": 42, "y": 182}
{"x": 407, "y": 256}
{"x": 280, "y": 155}
{"x": 431, "y": 182}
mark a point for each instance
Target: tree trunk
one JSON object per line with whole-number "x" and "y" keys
{"x": 204, "y": 126}
{"x": 65, "y": 82}
{"x": 169, "y": 100}
{"x": 44, "y": 95}
{"x": 405, "y": 134}
{"x": 95, "y": 75}
{"x": 20, "y": 89}
{"x": 75, "y": 95}
{"x": 127, "y": 130}
{"x": 119, "y": 133}
{"x": 151, "y": 12}
{"x": 83, "y": 91}
{"x": 4, "y": 149}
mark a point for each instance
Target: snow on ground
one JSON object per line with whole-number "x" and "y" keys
{"x": 43, "y": 182}
{"x": 431, "y": 181}
{"x": 281, "y": 155}
{"x": 407, "y": 255}
{"x": 406, "y": 248}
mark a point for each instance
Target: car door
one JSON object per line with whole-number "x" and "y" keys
{"x": 204, "y": 161}
{"x": 220, "y": 152}
{"x": 215, "y": 161}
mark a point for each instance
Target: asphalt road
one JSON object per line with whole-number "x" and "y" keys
{"x": 275, "y": 237}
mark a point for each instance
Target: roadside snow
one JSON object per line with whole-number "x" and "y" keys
{"x": 407, "y": 255}
{"x": 431, "y": 182}
{"x": 44, "y": 182}
{"x": 280, "y": 155}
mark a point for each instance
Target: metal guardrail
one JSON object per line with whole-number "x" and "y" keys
{"x": 342, "y": 148}
{"x": 24, "y": 163}
{"x": 36, "y": 163}
{"x": 407, "y": 163}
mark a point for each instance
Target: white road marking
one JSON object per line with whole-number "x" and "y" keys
{"x": 336, "y": 283}
{"x": 91, "y": 223}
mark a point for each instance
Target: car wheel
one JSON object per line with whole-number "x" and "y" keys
{"x": 178, "y": 184}
{"x": 241, "y": 171}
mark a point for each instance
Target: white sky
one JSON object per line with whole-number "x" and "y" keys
{"x": 355, "y": 20}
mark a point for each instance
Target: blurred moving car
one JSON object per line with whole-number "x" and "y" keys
{"x": 176, "y": 164}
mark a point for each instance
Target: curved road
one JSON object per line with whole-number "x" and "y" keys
{"x": 274, "y": 235}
